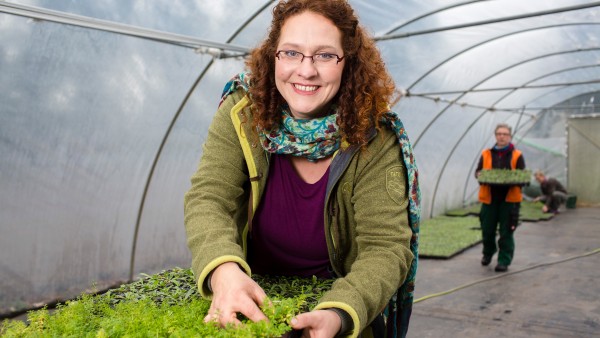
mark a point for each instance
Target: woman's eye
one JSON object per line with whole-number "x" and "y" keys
{"x": 291, "y": 53}
{"x": 325, "y": 56}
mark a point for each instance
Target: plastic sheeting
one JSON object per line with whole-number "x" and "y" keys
{"x": 104, "y": 107}
{"x": 583, "y": 150}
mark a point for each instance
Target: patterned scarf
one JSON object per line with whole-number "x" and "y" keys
{"x": 319, "y": 138}
{"x": 314, "y": 139}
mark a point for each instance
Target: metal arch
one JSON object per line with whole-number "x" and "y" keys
{"x": 168, "y": 133}
{"x": 464, "y": 93}
{"x": 250, "y": 19}
{"x": 528, "y": 130}
{"x": 469, "y": 128}
{"x": 516, "y": 129}
{"x": 578, "y": 50}
{"x": 507, "y": 88}
{"x": 114, "y": 27}
{"x": 473, "y": 47}
{"x": 486, "y": 22}
{"x": 441, "y": 9}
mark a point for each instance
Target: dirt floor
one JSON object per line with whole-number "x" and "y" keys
{"x": 552, "y": 288}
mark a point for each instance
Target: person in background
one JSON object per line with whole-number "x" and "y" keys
{"x": 499, "y": 204}
{"x": 553, "y": 193}
{"x": 306, "y": 172}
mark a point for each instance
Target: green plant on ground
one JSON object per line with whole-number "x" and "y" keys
{"x": 443, "y": 236}
{"x": 472, "y": 209}
{"x": 530, "y": 211}
{"x": 166, "y": 304}
{"x": 504, "y": 176}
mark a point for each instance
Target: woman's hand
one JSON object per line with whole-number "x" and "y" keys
{"x": 317, "y": 324}
{"x": 233, "y": 292}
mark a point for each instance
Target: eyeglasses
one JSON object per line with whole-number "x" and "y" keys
{"x": 502, "y": 134}
{"x": 294, "y": 57}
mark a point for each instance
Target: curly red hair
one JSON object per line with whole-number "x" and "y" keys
{"x": 367, "y": 89}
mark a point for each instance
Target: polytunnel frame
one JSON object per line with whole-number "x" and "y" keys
{"x": 170, "y": 128}
{"x": 115, "y": 27}
{"x": 389, "y": 36}
{"x": 438, "y": 10}
{"x": 524, "y": 107}
{"x": 513, "y": 89}
{"x": 184, "y": 102}
{"x": 71, "y": 19}
{"x": 438, "y": 115}
{"x": 215, "y": 49}
{"x": 408, "y": 93}
{"x": 561, "y": 86}
{"x": 526, "y": 132}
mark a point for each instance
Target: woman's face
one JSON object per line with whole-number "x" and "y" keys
{"x": 309, "y": 87}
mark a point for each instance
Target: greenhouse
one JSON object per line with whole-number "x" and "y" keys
{"x": 104, "y": 107}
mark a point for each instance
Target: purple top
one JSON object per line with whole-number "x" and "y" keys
{"x": 288, "y": 230}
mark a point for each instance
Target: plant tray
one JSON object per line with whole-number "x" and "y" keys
{"x": 505, "y": 177}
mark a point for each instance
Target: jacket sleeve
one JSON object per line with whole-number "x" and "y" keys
{"x": 381, "y": 231}
{"x": 521, "y": 162}
{"x": 479, "y": 166}
{"x": 212, "y": 206}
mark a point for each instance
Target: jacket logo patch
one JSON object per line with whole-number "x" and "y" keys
{"x": 347, "y": 188}
{"x": 394, "y": 183}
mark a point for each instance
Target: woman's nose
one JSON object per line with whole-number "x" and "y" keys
{"x": 307, "y": 68}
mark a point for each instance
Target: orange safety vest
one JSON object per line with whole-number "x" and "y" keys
{"x": 485, "y": 191}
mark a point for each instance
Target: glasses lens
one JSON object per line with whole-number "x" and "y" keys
{"x": 293, "y": 57}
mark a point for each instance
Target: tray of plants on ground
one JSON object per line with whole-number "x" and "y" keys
{"x": 444, "y": 236}
{"x": 530, "y": 211}
{"x": 167, "y": 304}
{"x": 472, "y": 209}
{"x": 504, "y": 177}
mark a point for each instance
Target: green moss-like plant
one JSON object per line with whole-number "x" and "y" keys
{"x": 472, "y": 209}
{"x": 504, "y": 176}
{"x": 166, "y": 304}
{"x": 532, "y": 212}
{"x": 444, "y": 237}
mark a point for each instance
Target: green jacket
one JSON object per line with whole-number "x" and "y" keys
{"x": 366, "y": 218}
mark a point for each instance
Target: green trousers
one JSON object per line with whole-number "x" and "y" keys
{"x": 494, "y": 218}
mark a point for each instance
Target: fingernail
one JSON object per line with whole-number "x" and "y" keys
{"x": 294, "y": 321}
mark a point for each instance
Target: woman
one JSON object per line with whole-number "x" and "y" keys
{"x": 301, "y": 175}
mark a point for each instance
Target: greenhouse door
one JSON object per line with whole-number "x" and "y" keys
{"x": 583, "y": 158}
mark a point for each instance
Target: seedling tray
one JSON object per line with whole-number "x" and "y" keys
{"x": 168, "y": 305}
{"x": 505, "y": 177}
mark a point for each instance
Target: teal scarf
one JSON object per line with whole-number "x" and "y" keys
{"x": 314, "y": 139}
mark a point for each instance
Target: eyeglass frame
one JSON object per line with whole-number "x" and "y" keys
{"x": 339, "y": 59}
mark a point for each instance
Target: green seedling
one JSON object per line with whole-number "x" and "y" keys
{"x": 167, "y": 304}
